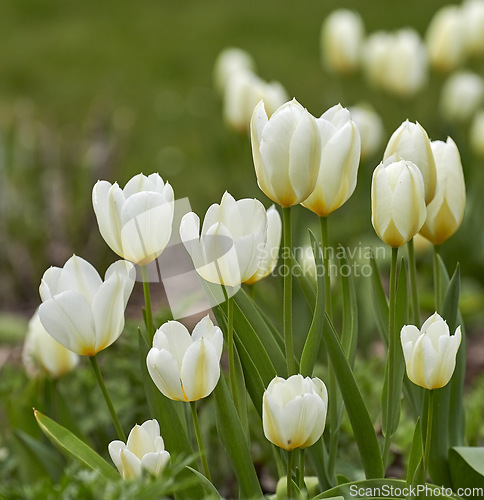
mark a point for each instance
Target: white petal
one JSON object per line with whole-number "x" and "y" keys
{"x": 164, "y": 372}
{"x": 114, "y": 449}
{"x": 49, "y": 284}
{"x": 152, "y": 427}
{"x": 77, "y": 274}
{"x": 155, "y": 462}
{"x": 140, "y": 442}
{"x": 131, "y": 464}
{"x": 174, "y": 337}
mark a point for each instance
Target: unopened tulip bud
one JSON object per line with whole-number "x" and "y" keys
{"x": 446, "y": 211}
{"x": 430, "y": 353}
{"x": 473, "y": 14}
{"x": 287, "y": 150}
{"x": 230, "y": 61}
{"x": 370, "y": 126}
{"x": 397, "y": 202}
{"x": 294, "y": 411}
{"x": 410, "y": 142}
{"x": 461, "y": 96}
{"x": 144, "y": 451}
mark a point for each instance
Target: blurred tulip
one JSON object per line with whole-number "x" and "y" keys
{"x": 294, "y": 411}
{"x": 270, "y": 250}
{"x": 473, "y": 19}
{"x": 243, "y": 92}
{"x": 340, "y": 157}
{"x": 144, "y": 451}
{"x": 411, "y": 142}
{"x": 397, "y": 202}
{"x": 135, "y": 221}
{"x": 42, "y": 354}
{"x": 370, "y": 126}
{"x": 82, "y": 312}
{"x": 446, "y": 211}
{"x": 445, "y": 38}
{"x": 230, "y": 246}
{"x": 461, "y": 96}
{"x": 476, "y": 133}
{"x": 430, "y": 352}
{"x": 341, "y": 39}
{"x": 231, "y": 60}
{"x": 186, "y": 367}
{"x": 287, "y": 150}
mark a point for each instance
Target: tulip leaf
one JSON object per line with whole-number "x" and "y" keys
{"x": 313, "y": 339}
{"x": 415, "y": 471}
{"x": 70, "y": 443}
{"x": 231, "y": 432}
{"x": 467, "y": 467}
{"x": 308, "y": 286}
{"x": 209, "y": 488}
{"x": 349, "y": 330}
{"x": 379, "y": 300}
{"x": 355, "y": 406}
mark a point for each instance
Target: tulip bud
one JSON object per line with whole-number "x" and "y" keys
{"x": 81, "y": 311}
{"x": 135, "y": 221}
{"x": 42, "y": 354}
{"x": 144, "y": 451}
{"x": 397, "y": 202}
{"x": 229, "y": 248}
{"x": 430, "y": 352}
{"x": 473, "y": 14}
{"x": 411, "y": 142}
{"x": 186, "y": 367}
{"x": 461, "y": 96}
{"x": 340, "y": 157}
{"x": 446, "y": 211}
{"x": 370, "y": 126}
{"x": 445, "y": 38}
{"x": 270, "y": 249}
{"x": 230, "y": 61}
{"x": 476, "y": 133}
{"x": 341, "y": 39}
{"x": 286, "y": 149}
{"x": 294, "y": 411}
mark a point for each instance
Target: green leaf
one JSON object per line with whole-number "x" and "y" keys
{"x": 206, "y": 484}
{"x": 307, "y": 285}
{"x": 415, "y": 472}
{"x": 349, "y": 330}
{"x": 379, "y": 300}
{"x": 467, "y": 467}
{"x": 71, "y": 444}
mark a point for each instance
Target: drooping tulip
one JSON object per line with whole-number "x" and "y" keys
{"x": 81, "y": 311}
{"x": 340, "y": 157}
{"x": 136, "y": 221}
{"x": 143, "y": 451}
{"x": 228, "y": 250}
{"x": 186, "y": 367}
{"x": 397, "y": 202}
{"x": 294, "y": 411}
{"x": 286, "y": 149}
{"x": 430, "y": 352}
{"x": 446, "y": 211}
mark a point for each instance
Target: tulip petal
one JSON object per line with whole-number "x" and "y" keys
{"x": 127, "y": 274}
{"x": 49, "y": 284}
{"x": 152, "y": 427}
{"x": 164, "y": 372}
{"x": 131, "y": 464}
{"x": 140, "y": 442}
{"x": 174, "y": 337}
{"x": 77, "y": 274}
{"x": 211, "y": 333}
{"x": 155, "y": 462}
{"x": 272, "y": 424}
{"x": 114, "y": 449}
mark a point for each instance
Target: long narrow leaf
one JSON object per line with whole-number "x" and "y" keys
{"x": 206, "y": 484}
{"x": 379, "y": 299}
{"x": 349, "y": 330}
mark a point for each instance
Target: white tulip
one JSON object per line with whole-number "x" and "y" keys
{"x": 186, "y": 367}
{"x": 294, "y": 411}
{"x": 81, "y": 311}
{"x": 461, "y": 96}
{"x": 473, "y": 14}
{"x": 230, "y": 246}
{"x": 446, "y": 211}
{"x": 135, "y": 221}
{"x": 230, "y": 61}
{"x": 370, "y": 126}
{"x": 144, "y": 451}
{"x": 286, "y": 149}
{"x": 41, "y": 354}
{"x": 476, "y": 134}
{"x": 340, "y": 157}
{"x": 430, "y": 353}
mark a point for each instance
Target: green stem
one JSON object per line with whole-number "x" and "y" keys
{"x": 413, "y": 283}
{"x": 230, "y": 349}
{"x": 428, "y": 438}
{"x": 289, "y": 474}
{"x": 198, "y": 434}
{"x": 102, "y": 385}
{"x": 287, "y": 314}
{"x": 325, "y": 249}
{"x": 302, "y": 484}
{"x": 149, "y": 314}
{"x": 437, "y": 279}
{"x": 393, "y": 399}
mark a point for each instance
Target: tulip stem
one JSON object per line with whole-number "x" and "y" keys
{"x": 198, "y": 434}
{"x": 104, "y": 390}
{"x": 428, "y": 437}
{"x": 289, "y": 474}
{"x": 287, "y": 313}
{"x": 327, "y": 276}
{"x": 230, "y": 349}
{"x": 437, "y": 280}
{"x": 148, "y": 312}
{"x": 413, "y": 282}
{"x": 301, "y": 484}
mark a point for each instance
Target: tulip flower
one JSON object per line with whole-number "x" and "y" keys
{"x": 186, "y": 367}
{"x": 135, "y": 221}
{"x": 397, "y": 202}
{"x": 446, "y": 211}
{"x": 411, "y": 142}
{"x": 230, "y": 61}
{"x": 430, "y": 353}
{"x": 270, "y": 250}
{"x": 370, "y": 126}
{"x": 42, "y": 354}
{"x": 340, "y": 157}
{"x": 473, "y": 14}
{"x": 462, "y": 95}
{"x": 287, "y": 150}
{"x": 229, "y": 249}
{"x": 341, "y": 39}
{"x": 294, "y": 411}
{"x": 143, "y": 451}
{"x": 476, "y": 134}
{"x": 81, "y": 311}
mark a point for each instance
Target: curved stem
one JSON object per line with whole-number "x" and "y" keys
{"x": 289, "y": 474}
{"x": 428, "y": 437}
{"x": 198, "y": 434}
{"x": 102, "y": 385}
{"x": 148, "y": 312}
{"x": 287, "y": 313}
{"x": 413, "y": 283}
